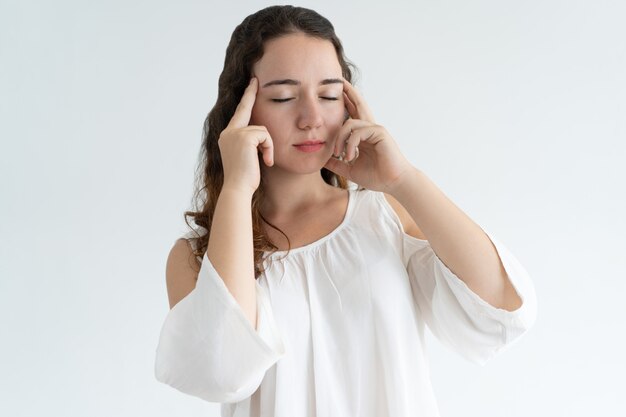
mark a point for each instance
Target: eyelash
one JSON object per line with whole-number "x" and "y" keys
{"x": 283, "y": 100}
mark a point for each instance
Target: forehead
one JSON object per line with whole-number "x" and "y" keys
{"x": 298, "y": 54}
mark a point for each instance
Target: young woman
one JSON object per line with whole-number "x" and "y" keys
{"x": 298, "y": 294}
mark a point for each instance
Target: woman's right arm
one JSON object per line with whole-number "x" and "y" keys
{"x": 210, "y": 345}
{"x": 230, "y": 248}
{"x": 219, "y": 337}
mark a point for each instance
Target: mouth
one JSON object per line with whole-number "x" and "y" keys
{"x": 310, "y": 145}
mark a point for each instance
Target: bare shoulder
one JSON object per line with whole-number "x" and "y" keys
{"x": 181, "y": 271}
{"x": 409, "y": 225}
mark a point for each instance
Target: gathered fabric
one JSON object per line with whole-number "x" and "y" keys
{"x": 341, "y": 325}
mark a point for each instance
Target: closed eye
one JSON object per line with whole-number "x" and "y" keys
{"x": 282, "y": 100}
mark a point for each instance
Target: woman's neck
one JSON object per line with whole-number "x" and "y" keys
{"x": 288, "y": 195}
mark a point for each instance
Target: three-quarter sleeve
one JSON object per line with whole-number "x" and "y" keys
{"x": 456, "y": 315}
{"x": 209, "y": 349}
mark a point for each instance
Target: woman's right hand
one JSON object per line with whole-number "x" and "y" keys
{"x": 240, "y": 142}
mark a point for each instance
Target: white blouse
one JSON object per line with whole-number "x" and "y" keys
{"x": 340, "y": 325}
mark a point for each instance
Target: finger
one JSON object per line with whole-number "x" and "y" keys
{"x": 368, "y": 133}
{"x": 266, "y": 147}
{"x": 352, "y": 111}
{"x": 345, "y": 132}
{"x": 363, "y": 111}
{"x": 241, "y": 117}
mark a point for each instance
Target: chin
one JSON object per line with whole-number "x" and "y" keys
{"x": 308, "y": 168}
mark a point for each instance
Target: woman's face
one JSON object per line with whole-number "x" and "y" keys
{"x": 300, "y": 98}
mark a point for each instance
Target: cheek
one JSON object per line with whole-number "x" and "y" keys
{"x": 273, "y": 121}
{"x": 336, "y": 118}
{"x": 260, "y": 116}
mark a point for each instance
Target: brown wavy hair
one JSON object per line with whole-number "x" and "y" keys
{"x": 244, "y": 49}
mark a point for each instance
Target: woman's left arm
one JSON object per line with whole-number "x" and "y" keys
{"x": 375, "y": 162}
{"x": 458, "y": 241}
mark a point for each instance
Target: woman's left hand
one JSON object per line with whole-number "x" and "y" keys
{"x": 379, "y": 163}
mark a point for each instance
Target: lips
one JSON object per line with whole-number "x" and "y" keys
{"x": 310, "y": 146}
{"x": 310, "y": 142}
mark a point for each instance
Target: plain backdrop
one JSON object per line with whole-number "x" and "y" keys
{"x": 514, "y": 108}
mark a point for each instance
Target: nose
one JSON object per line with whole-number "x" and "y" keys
{"x": 310, "y": 113}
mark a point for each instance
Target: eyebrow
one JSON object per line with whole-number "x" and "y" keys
{"x": 289, "y": 81}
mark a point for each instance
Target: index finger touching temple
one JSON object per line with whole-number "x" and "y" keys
{"x": 362, "y": 109}
{"x": 241, "y": 117}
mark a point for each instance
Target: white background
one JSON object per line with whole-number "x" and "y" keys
{"x": 514, "y": 108}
